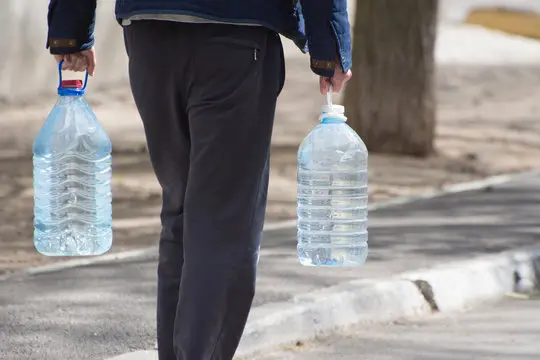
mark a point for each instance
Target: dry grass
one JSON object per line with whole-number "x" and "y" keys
{"x": 510, "y": 21}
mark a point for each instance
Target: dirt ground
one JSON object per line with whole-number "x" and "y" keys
{"x": 488, "y": 124}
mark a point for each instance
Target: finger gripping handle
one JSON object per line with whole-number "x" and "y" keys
{"x": 60, "y": 87}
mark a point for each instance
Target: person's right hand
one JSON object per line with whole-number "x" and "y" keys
{"x": 337, "y": 82}
{"x": 79, "y": 61}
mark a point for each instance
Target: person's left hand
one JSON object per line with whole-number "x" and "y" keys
{"x": 79, "y": 61}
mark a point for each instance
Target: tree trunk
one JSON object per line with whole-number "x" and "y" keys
{"x": 390, "y": 99}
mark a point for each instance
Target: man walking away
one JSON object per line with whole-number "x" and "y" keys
{"x": 205, "y": 76}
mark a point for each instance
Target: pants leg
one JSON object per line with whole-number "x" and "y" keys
{"x": 225, "y": 80}
{"x": 157, "y": 95}
{"x": 236, "y": 76}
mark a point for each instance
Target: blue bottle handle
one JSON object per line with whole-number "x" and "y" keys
{"x": 60, "y": 77}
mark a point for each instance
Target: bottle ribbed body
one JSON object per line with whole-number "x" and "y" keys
{"x": 72, "y": 183}
{"x": 332, "y": 196}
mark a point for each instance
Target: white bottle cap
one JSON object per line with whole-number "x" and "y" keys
{"x": 333, "y": 109}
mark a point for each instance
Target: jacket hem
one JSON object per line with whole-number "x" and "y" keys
{"x": 298, "y": 38}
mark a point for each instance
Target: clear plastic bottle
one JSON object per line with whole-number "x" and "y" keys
{"x": 72, "y": 178}
{"x": 332, "y": 194}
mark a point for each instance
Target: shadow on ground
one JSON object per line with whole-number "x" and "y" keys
{"x": 416, "y": 235}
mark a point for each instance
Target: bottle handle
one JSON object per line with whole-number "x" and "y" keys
{"x": 60, "y": 76}
{"x": 329, "y": 97}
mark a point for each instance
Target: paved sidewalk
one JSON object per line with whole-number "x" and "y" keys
{"x": 505, "y": 331}
{"x": 104, "y": 310}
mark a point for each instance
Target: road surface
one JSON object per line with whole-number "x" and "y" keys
{"x": 99, "y": 311}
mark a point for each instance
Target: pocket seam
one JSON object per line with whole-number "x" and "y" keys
{"x": 240, "y": 42}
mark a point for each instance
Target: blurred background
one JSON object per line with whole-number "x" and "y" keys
{"x": 442, "y": 93}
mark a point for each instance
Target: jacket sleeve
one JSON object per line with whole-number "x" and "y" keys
{"x": 71, "y": 25}
{"x": 329, "y": 35}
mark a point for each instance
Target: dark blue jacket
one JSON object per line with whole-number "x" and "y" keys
{"x": 318, "y": 26}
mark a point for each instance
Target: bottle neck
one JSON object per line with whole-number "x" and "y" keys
{"x": 332, "y": 118}
{"x": 71, "y": 91}
{"x": 69, "y": 99}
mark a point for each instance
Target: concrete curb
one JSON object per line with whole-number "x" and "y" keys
{"x": 450, "y": 287}
{"x": 318, "y": 312}
{"x": 455, "y": 286}
{"x": 134, "y": 255}
{"x": 322, "y": 311}
{"x": 137, "y": 355}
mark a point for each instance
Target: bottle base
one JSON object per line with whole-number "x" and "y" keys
{"x": 71, "y": 254}
{"x": 348, "y": 256}
{"x": 68, "y": 247}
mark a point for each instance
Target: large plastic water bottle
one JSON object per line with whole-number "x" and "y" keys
{"x": 332, "y": 193}
{"x": 72, "y": 178}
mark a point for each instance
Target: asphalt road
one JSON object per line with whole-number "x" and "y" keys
{"x": 96, "y": 312}
{"x": 506, "y": 331}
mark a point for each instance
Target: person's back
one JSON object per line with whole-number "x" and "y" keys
{"x": 205, "y": 76}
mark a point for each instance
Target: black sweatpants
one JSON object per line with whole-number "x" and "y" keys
{"x": 207, "y": 95}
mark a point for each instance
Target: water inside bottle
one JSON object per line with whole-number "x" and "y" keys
{"x": 72, "y": 180}
{"x": 332, "y": 194}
